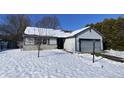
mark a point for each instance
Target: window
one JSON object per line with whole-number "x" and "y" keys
{"x": 41, "y": 40}
{"x": 53, "y": 41}
{"x": 29, "y": 41}
{"x": 38, "y": 40}
{"x": 44, "y": 41}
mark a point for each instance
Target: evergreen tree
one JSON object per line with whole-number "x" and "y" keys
{"x": 113, "y": 31}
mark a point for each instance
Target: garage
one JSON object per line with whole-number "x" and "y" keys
{"x": 86, "y": 45}
{"x": 82, "y": 41}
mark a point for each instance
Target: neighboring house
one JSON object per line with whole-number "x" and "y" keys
{"x": 79, "y": 40}
{"x": 3, "y": 45}
{"x": 3, "y": 42}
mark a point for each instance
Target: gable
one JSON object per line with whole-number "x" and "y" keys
{"x": 89, "y": 34}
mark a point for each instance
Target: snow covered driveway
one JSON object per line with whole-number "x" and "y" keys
{"x": 56, "y": 63}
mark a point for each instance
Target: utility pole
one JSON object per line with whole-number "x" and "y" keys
{"x": 93, "y": 51}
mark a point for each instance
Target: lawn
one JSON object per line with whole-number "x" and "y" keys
{"x": 56, "y": 64}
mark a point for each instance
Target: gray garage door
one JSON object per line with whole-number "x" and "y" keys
{"x": 86, "y": 45}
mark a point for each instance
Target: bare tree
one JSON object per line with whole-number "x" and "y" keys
{"x": 39, "y": 41}
{"x": 46, "y": 22}
{"x": 16, "y": 24}
{"x": 49, "y": 22}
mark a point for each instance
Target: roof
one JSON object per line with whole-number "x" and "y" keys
{"x": 4, "y": 33}
{"x": 51, "y": 32}
{"x": 78, "y": 31}
{"x": 45, "y": 32}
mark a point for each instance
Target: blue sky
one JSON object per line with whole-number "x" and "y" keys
{"x": 73, "y": 21}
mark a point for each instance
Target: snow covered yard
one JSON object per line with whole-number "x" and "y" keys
{"x": 56, "y": 63}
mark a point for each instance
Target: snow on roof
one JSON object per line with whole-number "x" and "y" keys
{"x": 45, "y": 32}
{"x": 51, "y": 32}
{"x": 78, "y": 31}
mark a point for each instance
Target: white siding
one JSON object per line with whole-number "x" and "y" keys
{"x": 101, "y": 44}
{"x": 69, "y": 44}
{"x": 89, "y": 35}
{"x": 29, "y": 44}
{"x": 53, "y": 41}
